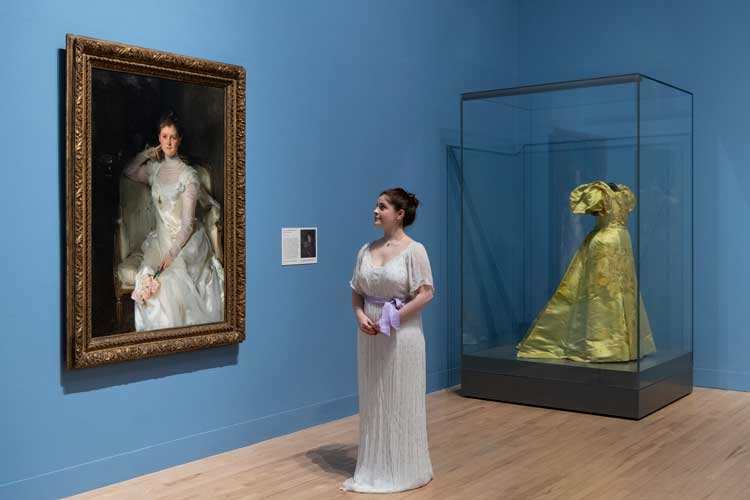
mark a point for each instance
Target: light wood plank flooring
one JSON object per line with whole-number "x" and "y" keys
{"x": 697, "y": 448}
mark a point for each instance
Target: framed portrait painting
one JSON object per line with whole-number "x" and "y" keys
{"x": 155, "y": 202}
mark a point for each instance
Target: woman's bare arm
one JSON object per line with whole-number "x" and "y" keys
{"x": 415, "y": 305}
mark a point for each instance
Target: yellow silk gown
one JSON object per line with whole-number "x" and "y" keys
{"x": 592, "y": 316}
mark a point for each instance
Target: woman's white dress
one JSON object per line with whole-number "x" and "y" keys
{"x": 393, "y": 452}
{"x": 192, "y": 287}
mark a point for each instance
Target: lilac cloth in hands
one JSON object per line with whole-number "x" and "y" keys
{"x": 389, "y": 317}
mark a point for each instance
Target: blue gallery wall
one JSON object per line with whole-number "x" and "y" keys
{"x": 698, "y": 46}
{"x": 344, "y": 99}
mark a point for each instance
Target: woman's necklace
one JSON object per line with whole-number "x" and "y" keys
{"x": 389, "y": 243}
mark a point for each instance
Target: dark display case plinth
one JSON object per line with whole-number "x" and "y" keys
{"x": 619, "y": 389}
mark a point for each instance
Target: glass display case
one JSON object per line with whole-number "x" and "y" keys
{"x": 575, "y": 215}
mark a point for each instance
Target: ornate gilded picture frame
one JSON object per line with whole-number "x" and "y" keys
{"x": 155, "y": 203}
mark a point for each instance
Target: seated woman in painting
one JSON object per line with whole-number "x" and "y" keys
{"x": 180, "y": 281}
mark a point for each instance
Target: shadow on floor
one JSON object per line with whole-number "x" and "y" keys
{"x": 337, "y": 459}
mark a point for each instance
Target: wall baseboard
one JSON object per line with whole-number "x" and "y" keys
{"x": 721, "y": 379}
{"x": 443, "y": 379}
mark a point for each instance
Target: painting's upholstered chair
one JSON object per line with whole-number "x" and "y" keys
{"x": 137, "y": 218}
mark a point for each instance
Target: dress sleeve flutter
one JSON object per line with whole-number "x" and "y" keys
{"x": 356, "y": 282}
{"x": 419, "y": 270}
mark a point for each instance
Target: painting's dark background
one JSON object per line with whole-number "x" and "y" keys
{"x": 308, "y": 249}
{"x": 125, "y": 114}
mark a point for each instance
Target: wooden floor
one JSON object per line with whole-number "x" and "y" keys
{"x": 697, "y": 448}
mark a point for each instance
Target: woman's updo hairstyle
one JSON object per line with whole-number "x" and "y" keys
{"x": 403, "y": 200}
{"x": 169, "y": 119}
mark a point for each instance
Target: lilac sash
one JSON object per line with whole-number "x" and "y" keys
{"x": 389, "y": 317}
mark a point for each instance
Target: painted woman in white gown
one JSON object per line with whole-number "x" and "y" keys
{"x": 391, "y": 283}
{"x": 178, "y": 252}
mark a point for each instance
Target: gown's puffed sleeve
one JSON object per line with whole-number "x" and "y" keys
{"x": 592, "y": 198}
{"x": 419, "y": 270}
{"x": 627, "y": 196}
{"x": 356, "y": 281}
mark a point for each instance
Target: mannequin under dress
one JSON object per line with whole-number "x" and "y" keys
{"x": 393, "y": 450}
{"x": 592, "y": 316}
{"x": 191, "y": 288}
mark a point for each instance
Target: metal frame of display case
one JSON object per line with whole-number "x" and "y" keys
{"x": 631, "y": 392}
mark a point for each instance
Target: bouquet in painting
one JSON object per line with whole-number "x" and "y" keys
{"x": 147, "y": 286}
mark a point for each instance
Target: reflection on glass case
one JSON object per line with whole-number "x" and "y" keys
{"x": 576, "y": 248}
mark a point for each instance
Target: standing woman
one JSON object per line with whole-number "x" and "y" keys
{"x": 391, "y": 284}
